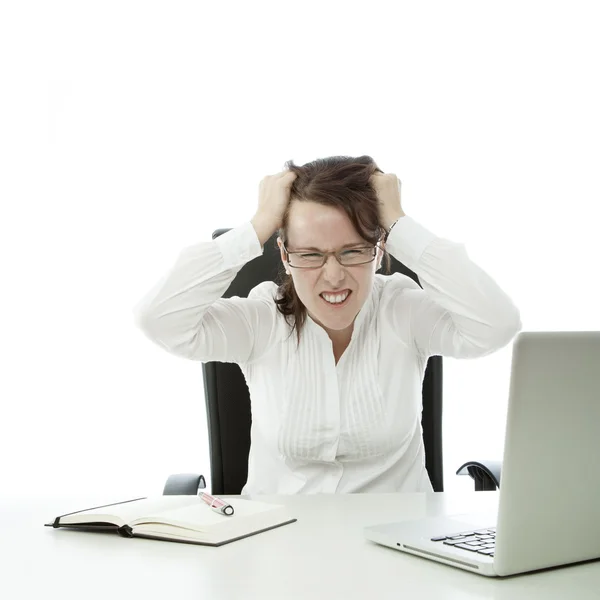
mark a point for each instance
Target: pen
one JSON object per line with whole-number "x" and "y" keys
{"x": 217, "y": 504}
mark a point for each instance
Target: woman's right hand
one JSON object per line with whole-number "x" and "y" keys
{"x": 273, "y": 199}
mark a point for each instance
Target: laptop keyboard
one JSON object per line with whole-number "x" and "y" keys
{"x": 480, "y": 540}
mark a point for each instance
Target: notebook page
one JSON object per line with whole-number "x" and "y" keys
{"x": 198, "y": 515}
{"x": 129, "y": 511}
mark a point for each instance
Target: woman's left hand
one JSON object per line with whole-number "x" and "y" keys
{"x": 387, "y": 186}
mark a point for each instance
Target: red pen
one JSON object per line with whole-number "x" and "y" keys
{"x": 217, "y": 504}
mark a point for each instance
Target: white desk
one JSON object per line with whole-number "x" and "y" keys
{"x": 322, "y": 555}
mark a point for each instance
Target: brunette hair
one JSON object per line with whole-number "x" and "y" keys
{"x": 342, "y": 182}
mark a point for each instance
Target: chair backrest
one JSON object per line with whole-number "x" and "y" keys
{"x": 228, "y": 398}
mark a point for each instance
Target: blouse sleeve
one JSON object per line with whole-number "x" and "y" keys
{"x": 185, "y": 315}
{"x": 461, "y": 311}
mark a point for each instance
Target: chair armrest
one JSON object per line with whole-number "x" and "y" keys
{"x": 485, "y": 473}
{"x": 182, "y": 484}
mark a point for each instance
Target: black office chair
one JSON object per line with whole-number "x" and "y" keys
{"x": 228, "y": 405}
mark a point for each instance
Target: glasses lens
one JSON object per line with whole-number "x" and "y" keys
{"x": 356, "y": 256}
{"x": 308, "y": 259}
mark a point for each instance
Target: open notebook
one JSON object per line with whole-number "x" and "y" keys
{"x": 179, "y": 519}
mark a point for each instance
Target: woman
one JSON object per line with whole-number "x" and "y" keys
{"x": 337, "y": 407}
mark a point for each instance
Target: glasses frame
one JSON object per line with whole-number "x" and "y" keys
{"x": 336, "y": 254}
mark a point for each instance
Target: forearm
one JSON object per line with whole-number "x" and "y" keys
{"x": 388, "y": 220}
{"x": 264, "y": 228}
{"x": 171, "y": 313}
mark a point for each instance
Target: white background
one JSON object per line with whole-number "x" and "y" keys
{"x": 130, "y": 129}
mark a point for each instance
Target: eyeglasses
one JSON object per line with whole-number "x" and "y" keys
{"x": 346, "y": 258}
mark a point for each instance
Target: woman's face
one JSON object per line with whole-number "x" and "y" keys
{"x": 318, "y": 228}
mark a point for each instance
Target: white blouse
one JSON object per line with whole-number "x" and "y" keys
{"x": 318, "y": 427}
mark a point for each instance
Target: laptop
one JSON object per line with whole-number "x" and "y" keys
{"x": 548, "y": 512}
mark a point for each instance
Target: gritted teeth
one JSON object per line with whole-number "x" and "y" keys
{"x": 335, "y": 298}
